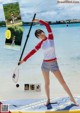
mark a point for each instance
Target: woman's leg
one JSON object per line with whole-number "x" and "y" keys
{"x": 47, "y": 83}
{"x": 63, "y": 83}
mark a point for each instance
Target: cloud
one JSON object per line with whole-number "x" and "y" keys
{"x": 0, "y": 1}
{"x": 8, "y": 1}
{"x": 1, "y": 12}
{"x": 69, "y": 11}
{"x": 50, "y": 10}
{"x": 47, "y": 10}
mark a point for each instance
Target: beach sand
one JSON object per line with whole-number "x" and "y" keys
{"x": 8, "y": 88}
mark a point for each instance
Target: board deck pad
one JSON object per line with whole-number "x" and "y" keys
{"x": 14, "y": 32}
{"x": 59, "y": 104}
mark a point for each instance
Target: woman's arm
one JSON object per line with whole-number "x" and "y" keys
{"x": 47, "y": 27}
{"x": 32, "y": 52}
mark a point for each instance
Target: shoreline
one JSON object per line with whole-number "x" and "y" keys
{"x": 51, "y": 23}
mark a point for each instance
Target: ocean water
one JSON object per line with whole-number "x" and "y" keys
{"x": 67, "y": 46}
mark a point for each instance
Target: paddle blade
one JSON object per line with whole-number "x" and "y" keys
{"x": 15, "y": 75}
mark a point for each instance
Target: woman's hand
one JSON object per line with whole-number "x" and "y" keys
{"x": 20, "y": 62}
{"x": 35, "y": 20}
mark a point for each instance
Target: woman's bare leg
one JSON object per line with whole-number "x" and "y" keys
{"x": 47, "y": 83}
{"x": 63, "y": 83}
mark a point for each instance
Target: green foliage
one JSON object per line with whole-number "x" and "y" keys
{"x": 11, "y": 8}
{"x": 16, "y": 31}
{"x": 2, "y": 23}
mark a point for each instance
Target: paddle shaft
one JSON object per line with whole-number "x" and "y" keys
{"x": 27, "y": 37}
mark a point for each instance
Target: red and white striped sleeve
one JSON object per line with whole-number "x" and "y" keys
{"x": 50, "y": 34}
{"x": 33, "y": 51}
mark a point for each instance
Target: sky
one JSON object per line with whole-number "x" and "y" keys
{"x": 48, "y": 10}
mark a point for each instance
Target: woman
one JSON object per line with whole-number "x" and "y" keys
{"x": 50, "y": 60}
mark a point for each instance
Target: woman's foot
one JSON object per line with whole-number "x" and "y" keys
{"x": 72, "y": 99}
{"x": 48, "y": 102}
